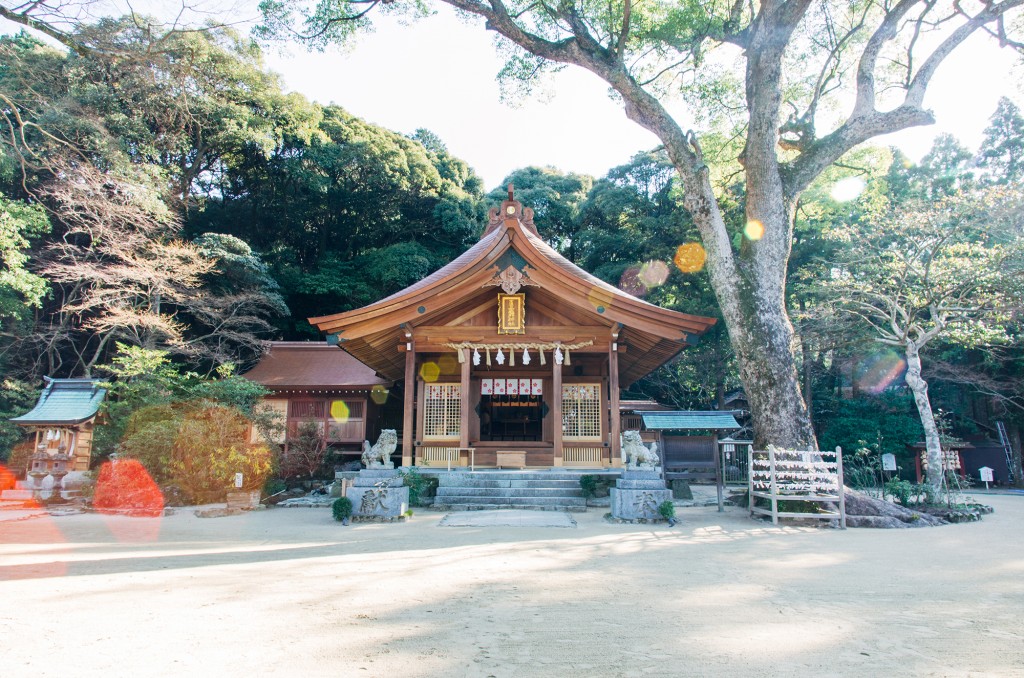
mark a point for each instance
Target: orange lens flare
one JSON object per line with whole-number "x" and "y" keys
{"x": 689, "y": 257}
{"x": 754, "y": 230}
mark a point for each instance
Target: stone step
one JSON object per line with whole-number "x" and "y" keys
{"x": 514, "y": 475}
{"x": 505, "y": 484}
{"x": 509, "y": 492}
{"x": 511, "y": 501}
{"x": 518, "y": 507}
{"x": 16, "y": 495}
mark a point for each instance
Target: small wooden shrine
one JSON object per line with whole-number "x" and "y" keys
{"x": 62, "y": 422}
{"x": 511, "y": 353}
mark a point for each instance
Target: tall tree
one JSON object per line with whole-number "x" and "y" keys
{"x": 936, "y": 272}
{"x": 787, "y": 65}
{"x": 1002, "y": 151}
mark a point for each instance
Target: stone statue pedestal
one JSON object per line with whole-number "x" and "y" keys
{"x": 638, "y": 494}
{"x": 378, "y": 495}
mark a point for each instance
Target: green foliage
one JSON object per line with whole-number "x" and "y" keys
{"x": 667, "y": 510}
{"x": 16, "y": 398}
{"x": 20, "y": 289}
{"x": 910, "y": 494}
{"x": 147, "y": 396}
{"x": 341, "y": 508}
{"x": 588, "y": 485}
{"x": 888, "y": 420}
{"x": 420, "y": 486}
{"x": 198, "y": 447}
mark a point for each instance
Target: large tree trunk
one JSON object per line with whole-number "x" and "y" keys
{"x": 919, "y": 387}
{"x": 751, "y": 292}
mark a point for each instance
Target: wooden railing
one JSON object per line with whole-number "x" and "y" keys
{"x": 583, "y": 456}
{"x": 438, "y": 456}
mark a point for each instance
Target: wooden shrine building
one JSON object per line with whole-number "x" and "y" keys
{"x": 62, "y": 423}
{"x": 510, "y": 354}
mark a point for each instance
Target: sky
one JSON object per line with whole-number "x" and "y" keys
{"x": 439, "y": 73}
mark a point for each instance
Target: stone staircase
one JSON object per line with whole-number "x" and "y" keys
{"x": 529, "y": 490}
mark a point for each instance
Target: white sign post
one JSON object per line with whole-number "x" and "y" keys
{"x": 238, "y": 480}
{"x": 888, "y": 462}
{"x": 986, "y": 475}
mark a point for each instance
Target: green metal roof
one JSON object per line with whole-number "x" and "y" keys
{"x": 65, "y": 402}
{"x": 688, "y": 421}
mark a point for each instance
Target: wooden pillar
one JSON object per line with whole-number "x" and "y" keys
{"x": 556, "y": 409}
{"x": 464, "y": 413}
{"x": 614, "y": 442}
{"x": 407, "y": 418}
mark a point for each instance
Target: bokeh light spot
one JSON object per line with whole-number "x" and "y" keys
{"x": 847, "y": 189}
{"x": 880, "y": 372}
{"x": 654, "y": 273}
{"x": 630, "y": 282}
{"x": 448, "y": 364}
{"x": 379, "y": 394}
{"x": 754, "y": 230}
{"x": 689, "y": 257}
{"x": 599, "y": 297}
{"x": 429, "y": 371}
{"x": 339, "y": 410}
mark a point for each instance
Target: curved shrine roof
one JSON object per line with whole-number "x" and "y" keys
{"x": 372, "y": 333}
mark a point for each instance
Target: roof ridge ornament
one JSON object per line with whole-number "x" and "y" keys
{"x": 511, "y": 209}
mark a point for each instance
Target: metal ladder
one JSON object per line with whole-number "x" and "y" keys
{"x": 1005, "y": 440}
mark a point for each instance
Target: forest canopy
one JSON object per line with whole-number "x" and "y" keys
{"x": 177, "y": 199}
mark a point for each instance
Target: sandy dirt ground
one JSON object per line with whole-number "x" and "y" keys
{"x": 289, "y": 592}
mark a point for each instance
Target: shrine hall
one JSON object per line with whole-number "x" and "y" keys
{"x": 511, "y": 354}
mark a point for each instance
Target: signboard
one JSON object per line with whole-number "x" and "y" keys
{"x": 986, "y": 474}
{"x": 888, "y": 462}
{"x": 238, "y": 480}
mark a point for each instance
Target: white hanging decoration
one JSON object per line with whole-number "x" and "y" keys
{"x": 526, "y": 356}
{"x": 512, "y": 357}
{"x": 568, "y": 357}
{"x": 476, "y": 356}
{"x": 500, "y": 357}
{"x": 541, "y": 351}
{"x": 558, "y": 355}
{"x": 488, "y": 350}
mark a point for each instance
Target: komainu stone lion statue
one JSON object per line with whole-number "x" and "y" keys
{"x": 379, "y": 456}
{"x": 636, "y": 455}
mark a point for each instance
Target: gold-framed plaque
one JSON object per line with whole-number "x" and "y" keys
{"x": 512, "y": 313}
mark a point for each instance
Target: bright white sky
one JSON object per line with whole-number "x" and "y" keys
{"x": 439, "y": 73}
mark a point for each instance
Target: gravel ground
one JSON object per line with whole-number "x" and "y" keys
{"x": 292, "y": 593}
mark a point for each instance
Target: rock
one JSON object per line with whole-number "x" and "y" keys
{"x": 860, "y": 505}
{"x": 882, "y": 522}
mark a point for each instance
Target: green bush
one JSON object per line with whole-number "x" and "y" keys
{"x": 341, "y": 508}
{"x": 588, "y": 484}
{"x": 667, "y": 510}
{"x": 421, "y": 487}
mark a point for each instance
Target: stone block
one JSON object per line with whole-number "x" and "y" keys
{"x": 628, "y": 484}
{"x": 379, "y": 502}
{"x": 370, "y": 478}
{"x": 638, "y": 504}
{"x": 642, "y": 474}
{"x": 681, "y": 489}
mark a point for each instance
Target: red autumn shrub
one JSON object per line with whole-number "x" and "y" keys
{"x": 7, "y": 479}
{"x": 125, "y": 485}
